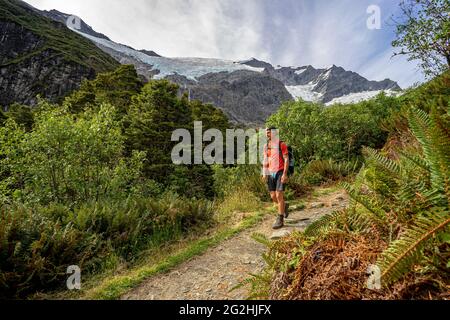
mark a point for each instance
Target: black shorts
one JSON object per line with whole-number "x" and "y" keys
{"x": 274, "y": 182}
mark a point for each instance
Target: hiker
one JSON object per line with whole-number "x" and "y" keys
{"x": 275, "y": 172}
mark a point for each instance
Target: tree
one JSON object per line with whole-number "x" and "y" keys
{"x": 210, "y": 116}
{"x": 21, "y": 114}
{"x": 2, "y": 117}
{"x": 152, "y": 117}
{"x": 424, "y": 34}
{"x": 300, "y": 125}
{"x": 67, "y": 159}
{"x": 337, "y": 132}
{"x": 116, "y": 88}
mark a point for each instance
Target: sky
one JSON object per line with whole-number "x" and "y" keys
{"x": 283, "y": 32}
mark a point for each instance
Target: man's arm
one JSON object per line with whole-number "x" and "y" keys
{"x": 284, "y": 178}
{"x": 265, "y": 165}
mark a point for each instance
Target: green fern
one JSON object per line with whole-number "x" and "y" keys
{"x": 261, "y": 238}
{"x": 415, "y": 159}
{"x": 370, "y": 204}
{"x": 259, "y": 285}
{"x": 403, "y": 253}
{"x": 317, "y": 227}
{"x": 383, "y": 161}
{"x": 429, "y": 200}
{"x": 435, "y": 145}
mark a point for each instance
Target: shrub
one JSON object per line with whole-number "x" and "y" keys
{"x": 228, "y": 179}
{"x": 320, "y": 171}
{"x": 70, "y": 160}
{"x": 338, "y": 132}
{"x": 35, "y": 251}
{"x": 238, "y": 201}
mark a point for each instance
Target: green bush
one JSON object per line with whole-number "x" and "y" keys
{"x": 320, "y": 171}
{"x": 70, "y": 160}
{"x": 228, "y": 179}
{"x": 337, "y": 132}
{"x": 35, "y": 251}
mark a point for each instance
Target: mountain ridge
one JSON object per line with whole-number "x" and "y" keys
{"x": 248, "y": 91}
{"x": 241, "y": 104}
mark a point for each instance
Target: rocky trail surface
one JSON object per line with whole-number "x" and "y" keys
{"x": 211, "y": 276}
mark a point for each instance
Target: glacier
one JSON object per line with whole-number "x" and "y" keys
{"x": 361, "y": 96}
{"x": 191, "y": 68}
{"x": 305, "y": 92}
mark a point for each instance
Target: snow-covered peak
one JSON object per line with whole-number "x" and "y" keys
{"x": 301, "y": 70}
{"x": 247, "y": 61}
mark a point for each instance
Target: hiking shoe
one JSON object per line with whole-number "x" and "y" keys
{"x": 286, "y": 210}
{"x": 279, "y": 223}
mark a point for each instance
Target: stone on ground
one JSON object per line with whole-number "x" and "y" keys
{"x": 280, "y": 234}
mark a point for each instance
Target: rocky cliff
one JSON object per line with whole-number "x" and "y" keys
{"x": 40, "y": 56}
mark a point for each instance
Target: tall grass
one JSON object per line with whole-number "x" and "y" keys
{"x": 239, "y": 201}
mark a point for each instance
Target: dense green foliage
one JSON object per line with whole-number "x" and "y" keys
{"x": 2, "y": 116}
{"x": 91, "y": 183}
{"x": 153, "y": 116}
{"x": 116, "y": 87}
{"x": 39, "y": 243}
{"x": 399, "y": 217}
{"x": 66, "y": 159}
{"x": 338, "y": 132}
{"x": 22, "y": 115}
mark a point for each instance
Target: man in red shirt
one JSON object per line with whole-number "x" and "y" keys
{"x": 275, "y": 172}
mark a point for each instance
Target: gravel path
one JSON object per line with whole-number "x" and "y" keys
{"x": 212, "y": 275}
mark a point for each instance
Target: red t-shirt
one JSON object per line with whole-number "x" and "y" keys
{"x": 273, "y": 161}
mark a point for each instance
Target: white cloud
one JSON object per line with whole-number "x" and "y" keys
{"x": 227, "y": 29}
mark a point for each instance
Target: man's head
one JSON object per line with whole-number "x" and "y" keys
{"x": 271, "y": 133}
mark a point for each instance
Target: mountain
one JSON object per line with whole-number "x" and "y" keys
{"x": 39, "y": 55}
{"x": 247, "y": 91}
{"x": 323, "y": 85}
{"x": 64, "y": 17}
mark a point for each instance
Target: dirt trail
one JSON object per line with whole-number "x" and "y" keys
{"x": 212, "y": 275}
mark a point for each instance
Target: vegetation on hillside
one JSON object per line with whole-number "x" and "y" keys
{"x": 56, "y": 37}
{"x": 83, "y": 183}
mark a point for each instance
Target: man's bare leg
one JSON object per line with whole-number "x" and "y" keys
{"x": 281, "y": 203}
{"x": 274, "y": 197}
{"x": 279, "y": 195}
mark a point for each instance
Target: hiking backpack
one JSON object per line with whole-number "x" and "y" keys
{"x": 291, "y": 158}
